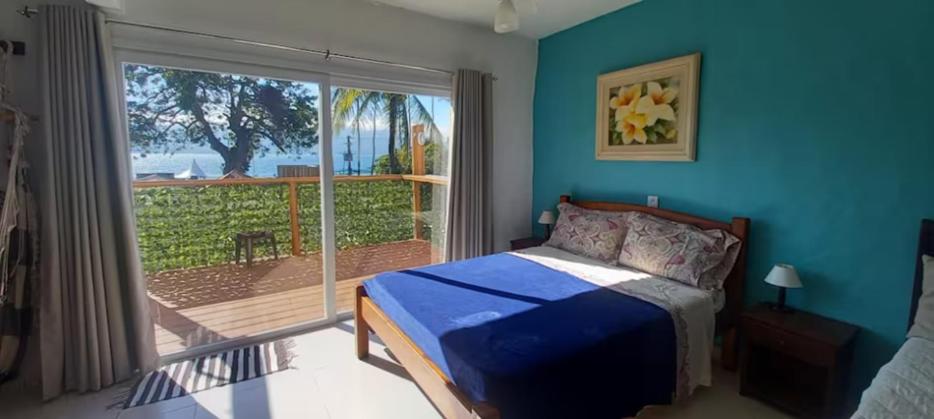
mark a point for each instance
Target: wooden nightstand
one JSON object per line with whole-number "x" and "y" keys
{"x": 519, "y": 244}
{"x": 795, "y": 360}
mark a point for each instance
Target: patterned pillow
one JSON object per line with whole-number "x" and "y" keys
{"x": 682, "y": 252}
{"x": 589, "y": 233}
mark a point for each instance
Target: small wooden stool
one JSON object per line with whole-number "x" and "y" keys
{"x": 249, "y": 238}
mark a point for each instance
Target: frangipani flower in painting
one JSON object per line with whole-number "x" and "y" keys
{"x": 661, "y": 96}
{"x": 655, "y": 105}
{"x": 633, "y": 128}
{"x": 626, "y": 100}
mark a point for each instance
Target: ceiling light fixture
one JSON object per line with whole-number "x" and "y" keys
{"x": 507, "y": 19}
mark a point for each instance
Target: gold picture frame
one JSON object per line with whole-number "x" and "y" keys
{"x": 649, "y": 112}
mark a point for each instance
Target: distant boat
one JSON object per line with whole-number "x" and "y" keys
{"x": 193, "y": 172}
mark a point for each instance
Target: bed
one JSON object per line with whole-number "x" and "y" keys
{"x": 547, "y": 333}
{"x": 904, "y": 387}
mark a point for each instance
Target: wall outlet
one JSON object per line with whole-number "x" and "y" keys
{"x": 653, "y": 201}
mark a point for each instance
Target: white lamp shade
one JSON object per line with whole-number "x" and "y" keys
{"x": 547, "y": 217}
{"x": 506, "y": 19}
{"x": 784, "y": 276}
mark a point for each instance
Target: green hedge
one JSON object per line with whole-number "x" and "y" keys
{"x": 184, "y": 227}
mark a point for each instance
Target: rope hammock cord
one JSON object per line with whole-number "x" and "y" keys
{"x": 11, "y": 204}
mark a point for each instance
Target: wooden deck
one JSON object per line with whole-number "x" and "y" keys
{"x": 192, "y": 307}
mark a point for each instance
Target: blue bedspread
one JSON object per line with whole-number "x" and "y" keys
{"x": 533, "y": 341}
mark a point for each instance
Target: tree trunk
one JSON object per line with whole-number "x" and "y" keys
{"x": 240, "y": 155}
{"x": 406, "y": 125}
{"x": 237, "y": 161}
{"x": 359, "y": 157}
{"x": 373, "y": 157}
{"x": 393, "y": 131}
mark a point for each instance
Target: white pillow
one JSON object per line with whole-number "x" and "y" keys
{"x": 923, "y": 326}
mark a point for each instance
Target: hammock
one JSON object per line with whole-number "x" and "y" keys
{"x": 15, "y": 312}
{"x": 11, "y": 204}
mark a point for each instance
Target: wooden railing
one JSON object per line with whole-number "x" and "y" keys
{"x": 294, "y": 182}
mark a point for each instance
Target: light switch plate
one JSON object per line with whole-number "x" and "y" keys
{"x": 652, "y": 201}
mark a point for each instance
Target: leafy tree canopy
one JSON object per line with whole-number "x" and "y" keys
{"x": 404, "y": 156}
{"x": 239, "y": 117}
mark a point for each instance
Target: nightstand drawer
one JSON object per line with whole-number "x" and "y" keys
{"x": 788, "y": 343}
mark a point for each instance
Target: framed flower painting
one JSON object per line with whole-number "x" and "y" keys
{"x": 649, "y": 112}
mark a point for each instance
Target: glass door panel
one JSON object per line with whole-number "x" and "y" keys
{"x": 227, "y": 202}
{"x": 390, "y": 153}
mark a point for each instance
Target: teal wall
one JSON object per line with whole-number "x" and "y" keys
{"x": 815, "y": 121}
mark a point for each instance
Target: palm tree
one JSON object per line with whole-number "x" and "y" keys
{"x": 350, "y": 105}
{"x": 347, "y": 109}
{"x": 374, "y": 114}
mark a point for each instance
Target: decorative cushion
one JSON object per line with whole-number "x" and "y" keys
{"x": 682, "y": 252}
{"x": 923, "y": 327}
{"x": 589, "y": 233}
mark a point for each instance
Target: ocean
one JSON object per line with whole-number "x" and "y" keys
{"x": 262, "y": 166}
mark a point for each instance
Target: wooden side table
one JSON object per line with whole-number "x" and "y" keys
{"x": 796, "y": 360}
{"x": 519, "y": 244}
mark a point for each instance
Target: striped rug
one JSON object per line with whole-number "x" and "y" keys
{"x": 193, "y": 375}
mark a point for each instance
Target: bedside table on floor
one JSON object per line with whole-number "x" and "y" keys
{"x": 519, "y": 244}
{"x": 795, "y": 360}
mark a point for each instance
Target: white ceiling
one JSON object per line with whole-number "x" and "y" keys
{"x": 537, "y": 18}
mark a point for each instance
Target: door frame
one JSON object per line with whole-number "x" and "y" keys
{"x": 325, "y": 82}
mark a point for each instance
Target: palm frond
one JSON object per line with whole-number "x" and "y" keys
{"x": 422, "y": 115}
{"x": 370, "y": 102}
{"x": 347, "y": 104}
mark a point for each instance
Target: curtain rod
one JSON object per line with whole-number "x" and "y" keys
{"x": 327, "y": 54}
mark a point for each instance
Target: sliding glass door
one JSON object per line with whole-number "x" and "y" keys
{"x": 264, "y": 196}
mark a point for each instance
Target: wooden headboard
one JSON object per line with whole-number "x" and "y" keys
{"x": 925, "y": 247}
{"x": 728, "y": 318}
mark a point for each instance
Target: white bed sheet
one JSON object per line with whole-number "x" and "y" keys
{"x": 695, "y": 307}
{"x": 903, "y": 388}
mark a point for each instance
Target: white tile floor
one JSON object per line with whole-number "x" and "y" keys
{"x": 329, "y": 382}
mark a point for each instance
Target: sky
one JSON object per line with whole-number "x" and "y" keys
{"x": 265, "y": 165}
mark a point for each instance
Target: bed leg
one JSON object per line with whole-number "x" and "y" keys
{"x": 730, "y": 350}
{"x": 361, "y": 329}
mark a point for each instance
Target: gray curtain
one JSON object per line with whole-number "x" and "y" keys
{"x": 94, "y": 320}
{"x": 470, "y": 224}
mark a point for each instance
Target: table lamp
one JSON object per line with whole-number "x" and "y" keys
{"x": 547, "y": 218}
{"x": 783, "y": 276}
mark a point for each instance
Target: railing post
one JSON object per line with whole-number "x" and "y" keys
{"x": 418, "y": 169}
{"x": 293, "y": 218}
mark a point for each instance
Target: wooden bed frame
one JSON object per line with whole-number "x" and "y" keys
{"x": 454, "y": 404}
